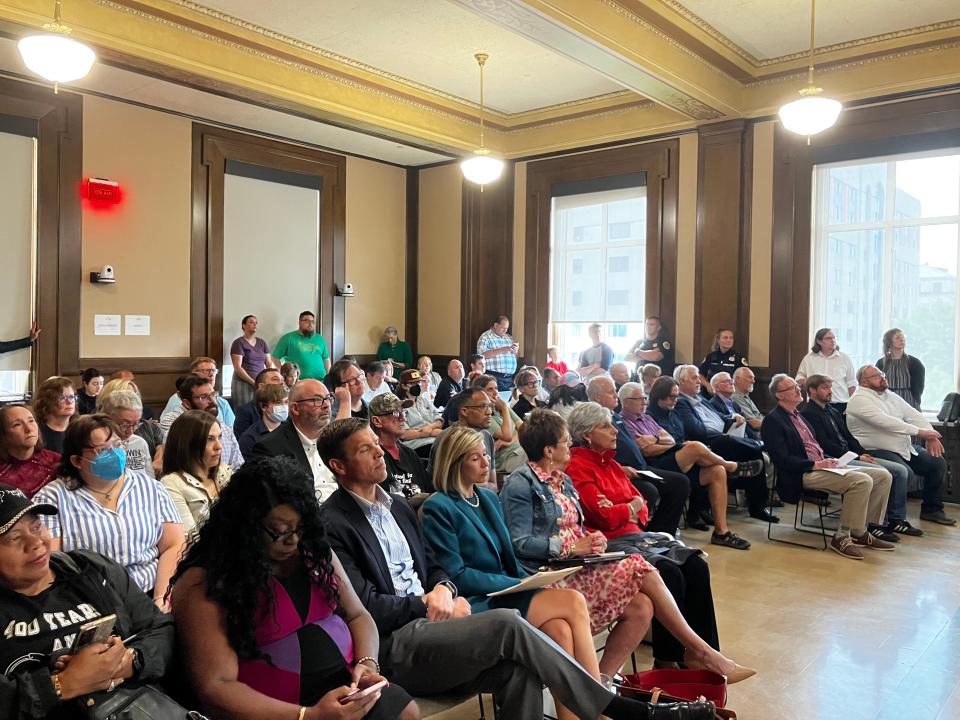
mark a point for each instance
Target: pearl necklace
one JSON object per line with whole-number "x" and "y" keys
{"x": 474, "y": 505}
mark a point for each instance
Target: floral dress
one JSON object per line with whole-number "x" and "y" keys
{"x": 607, "y": 588}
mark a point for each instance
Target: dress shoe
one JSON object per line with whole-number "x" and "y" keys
{"x": 702, "y": 710}
{"x": 775, "y": 500}
{"x": 765, "y": 516}
{"x": 695, "y": 523}
{"x": 939, "y": 517}
{"x": 695, "y": 661}
{"x": 707, "y": 517}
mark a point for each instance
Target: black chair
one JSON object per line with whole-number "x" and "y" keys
{"x": 819, "y": 499}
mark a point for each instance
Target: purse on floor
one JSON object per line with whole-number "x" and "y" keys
{"x": 682, "y": 684}
{"x": 136, "y": 703}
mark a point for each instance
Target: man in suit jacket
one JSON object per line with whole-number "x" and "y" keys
{"x": 801, "y": 463}
{"x": 310, "y": 403}
{"x": 702, "y": 421}
{"x": 430, "y": 642}
{"x": 830, "y": 429}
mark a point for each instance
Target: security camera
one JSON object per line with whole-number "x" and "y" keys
{"x": 347, "y": 290}
{"x": 104, "y": 276}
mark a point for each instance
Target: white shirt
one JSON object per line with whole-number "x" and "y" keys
{"x": 324, "y": 482}
{"x": 837, "y": 366}
{"x": 884, "y": 421}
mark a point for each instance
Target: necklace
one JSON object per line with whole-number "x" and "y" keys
{"x": 108, "y": 494}
{"x": 472, "y": 504}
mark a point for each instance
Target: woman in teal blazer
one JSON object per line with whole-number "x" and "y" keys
{"x": 464, "y": 525}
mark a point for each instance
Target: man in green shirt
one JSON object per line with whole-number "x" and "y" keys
{"x": 306, "y": 348}
{"x": 395, "y": 349}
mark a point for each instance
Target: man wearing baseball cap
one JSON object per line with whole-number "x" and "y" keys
{"x": 406, "y": 474}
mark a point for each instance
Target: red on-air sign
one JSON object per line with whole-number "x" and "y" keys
{"x": 102, "y": 190}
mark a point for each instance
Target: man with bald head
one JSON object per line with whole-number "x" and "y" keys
{"x": 310, "y": 408}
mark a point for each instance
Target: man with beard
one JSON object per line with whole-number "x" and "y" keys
{"x": 306, "y": 347}
{"x": 197, "y": 393}
{"x": 310, "y": 404}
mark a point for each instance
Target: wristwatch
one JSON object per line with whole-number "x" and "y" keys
{"x": 137, "y": 662}
{"x": 451, "y": 587}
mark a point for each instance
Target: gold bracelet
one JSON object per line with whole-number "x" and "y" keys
{"x": 303, "y": 712}
{"x": 364, "y": 659}
{"x": 57, "y": 688}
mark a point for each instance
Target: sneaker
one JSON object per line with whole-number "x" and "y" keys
{"x": 748, "y": 468}
{"x": 729, "y": 539}
{"x": 843, "y": 545}
{"x": 869, "y": 541}
{"x": 881, "y": 532}
{"x": 939, "y": 517}
{"x": 707, "y": 516}
{"x": 903, "y": 528}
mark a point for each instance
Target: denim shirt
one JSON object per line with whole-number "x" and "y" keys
{"x": 531, "y": 514}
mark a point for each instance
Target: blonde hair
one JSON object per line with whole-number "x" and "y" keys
{"x": 450, "y": 450}
{"x": 115, "y": 386}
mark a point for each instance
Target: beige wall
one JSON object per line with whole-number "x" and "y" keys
{"x": 146, "y": 237}
{"x": 438, "y": 297}
{"x": 376, "y": 252}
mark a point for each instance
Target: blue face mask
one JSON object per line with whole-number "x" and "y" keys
{"x": 279, "y": 413}
{"x": 110, "y": 464}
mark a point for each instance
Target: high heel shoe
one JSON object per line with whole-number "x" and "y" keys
{"x": 738, "y": 674}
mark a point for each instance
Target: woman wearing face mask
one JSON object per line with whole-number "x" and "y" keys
{"x": 271, "y": 401}
{"x": 192, "y": 472}
{"x": 116, "y": 512}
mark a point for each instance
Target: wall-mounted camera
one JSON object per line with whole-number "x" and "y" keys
{"x": 346, "y": 290}
{"x": 105, "y": 275}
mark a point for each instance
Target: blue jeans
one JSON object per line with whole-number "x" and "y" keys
{"x": 897, "y": 505}
{"x": 933, "y": 470}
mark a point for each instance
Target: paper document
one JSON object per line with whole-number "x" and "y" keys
{"x": 535, "y": 582}
{"x": 846, "y": 459}
{"x": 650, "y": 473}
{"x": 737, "y": 430}
{"x": 839, "y": 471}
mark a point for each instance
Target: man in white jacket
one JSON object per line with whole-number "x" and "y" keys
{"x": 885, "y": 425}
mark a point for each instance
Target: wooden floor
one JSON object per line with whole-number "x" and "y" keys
{"x": 832, "y": 638}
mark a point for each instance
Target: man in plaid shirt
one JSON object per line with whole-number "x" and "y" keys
{"x": 499, "y": 352}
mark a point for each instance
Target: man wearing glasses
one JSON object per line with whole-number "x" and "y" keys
{"x": 346, "y": 380}
{"x": 310, "y": 411}
{"x": 207, "y": 369}
{"x": 886, "y": 425}
{"x": 473, "y": 409}
{"x": 197, "y": 393}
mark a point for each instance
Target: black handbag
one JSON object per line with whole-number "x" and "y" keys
{"x": 136, "y": 703}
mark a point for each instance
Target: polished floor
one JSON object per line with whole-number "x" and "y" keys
{"x": 832, "y": 638}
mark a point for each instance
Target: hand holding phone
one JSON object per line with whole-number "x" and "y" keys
{"x": 95, "y": 631}
{"x": 365, "y": 692}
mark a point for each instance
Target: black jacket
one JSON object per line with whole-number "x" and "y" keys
{"x": 11, "y": 345}
{"x": 110, "y": 590}
{"x": 782, "y": 441}
{"x": 284, "y": 441}
{"x": 831, "y": 430}
{"x": 359, "y": 551}
{"x": 446, "y": 390}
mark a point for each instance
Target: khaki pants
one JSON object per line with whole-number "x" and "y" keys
{"x": 865, "y": 493}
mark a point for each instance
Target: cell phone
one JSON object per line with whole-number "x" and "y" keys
{"x": 95, "y": 631}
{"x": 360, "y": 694}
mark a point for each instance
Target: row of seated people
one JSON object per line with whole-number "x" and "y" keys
{"x": 99, "y": 509}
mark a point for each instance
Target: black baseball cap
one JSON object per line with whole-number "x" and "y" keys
{"x": 14, "y": 505}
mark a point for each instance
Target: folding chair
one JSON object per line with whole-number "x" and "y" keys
{"x": 818, "y": 498}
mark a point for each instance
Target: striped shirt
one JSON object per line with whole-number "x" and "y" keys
{"x": 129, "y": 536}
{"x": 505, "y": 363}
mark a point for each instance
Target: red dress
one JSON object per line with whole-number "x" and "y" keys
{"x": 595, "y": 474}
{"x": 31, "y": 475}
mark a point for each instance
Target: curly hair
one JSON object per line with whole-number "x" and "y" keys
{"x": 47, "y": 399}
{"x": 236, "y": 579}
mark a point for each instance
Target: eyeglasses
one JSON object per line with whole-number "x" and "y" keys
{"x": 68, "y": 398}
{"x": 788, "y": 388}
{"x": 398, "y": 414}
{"x": 483, "y": 406}
{"x": 533, "y": 383}
{"x": 638, "y": 398}
{"x": 100, "y": 449}
{"x": 282, "y": 537}
{"x": 352, "y": 381}
{"x": 130, "y": 426}
{"x": 206, "y": 371}
{"x": 315, "y": 401}
{"x": 205, "y": 397}
{"x": 878, "y": 374}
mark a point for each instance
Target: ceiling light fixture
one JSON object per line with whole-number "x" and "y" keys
{"x": 811, "y": 114}
{"x": 482, "y": 168}
{"x": 54, "y": 56}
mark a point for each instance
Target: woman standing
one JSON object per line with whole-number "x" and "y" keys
{"x": 825, "y": 358}
{"x": 905, "y": 373}
{"x": 273, "y": 628}
{"x": 91, "y": 383}
{"x": 250, "y": 355}
{"x": 116, "y": 512}
{"x": 54, "y": 406}
{"x": 192, "y": 472}
{"x": 721, "y": 358}
{"x": 24, "y": 462}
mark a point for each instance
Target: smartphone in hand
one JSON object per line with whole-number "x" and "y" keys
{"x": 95, "y": 631}
{"x": 359, "y": 694}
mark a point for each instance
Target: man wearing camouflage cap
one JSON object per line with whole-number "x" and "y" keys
{"x": 406, "y": 474}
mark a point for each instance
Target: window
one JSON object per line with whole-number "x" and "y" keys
{"x": 899, "y": 216}
{"x": 597, "y": 264}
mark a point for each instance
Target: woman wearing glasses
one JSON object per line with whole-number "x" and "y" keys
{"x": 273, "y": 628}
{"x": 192, "y": 471}
{"x": 111, "y": 510}
{"x": 54, "y": 406}
{"x": 528, "y": 387}
{"x": 125, "y": 409}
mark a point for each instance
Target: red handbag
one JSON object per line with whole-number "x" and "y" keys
{"x": 684, "y": 684}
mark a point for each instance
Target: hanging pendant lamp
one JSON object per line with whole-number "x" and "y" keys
{"x": 482, "y": 168}
{"x": 812, "y": 113}
{"x": 54, "y": 55}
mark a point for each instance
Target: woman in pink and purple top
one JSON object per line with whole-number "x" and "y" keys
{"x": 273, "y": 629}
{"x": 250, "y": 355}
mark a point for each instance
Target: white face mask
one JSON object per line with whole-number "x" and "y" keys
{"x": 279, "y": 413}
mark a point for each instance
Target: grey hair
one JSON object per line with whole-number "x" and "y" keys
{"x": 121, "y": 400}
{"x": 740, "y": 371}
{"x": 584, "y": 418}
{"x": 679, "y": 370}
{"x": 719, "y": 376}
{"x": 775, "y": 382}
{"x": 862, "y": 369}
{"x": 390, "y": 331}
{"x": 593, "y": 387}
{"x": 628, "y": 389}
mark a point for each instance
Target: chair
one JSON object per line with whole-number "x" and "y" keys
{"x": 821, "y": 500}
